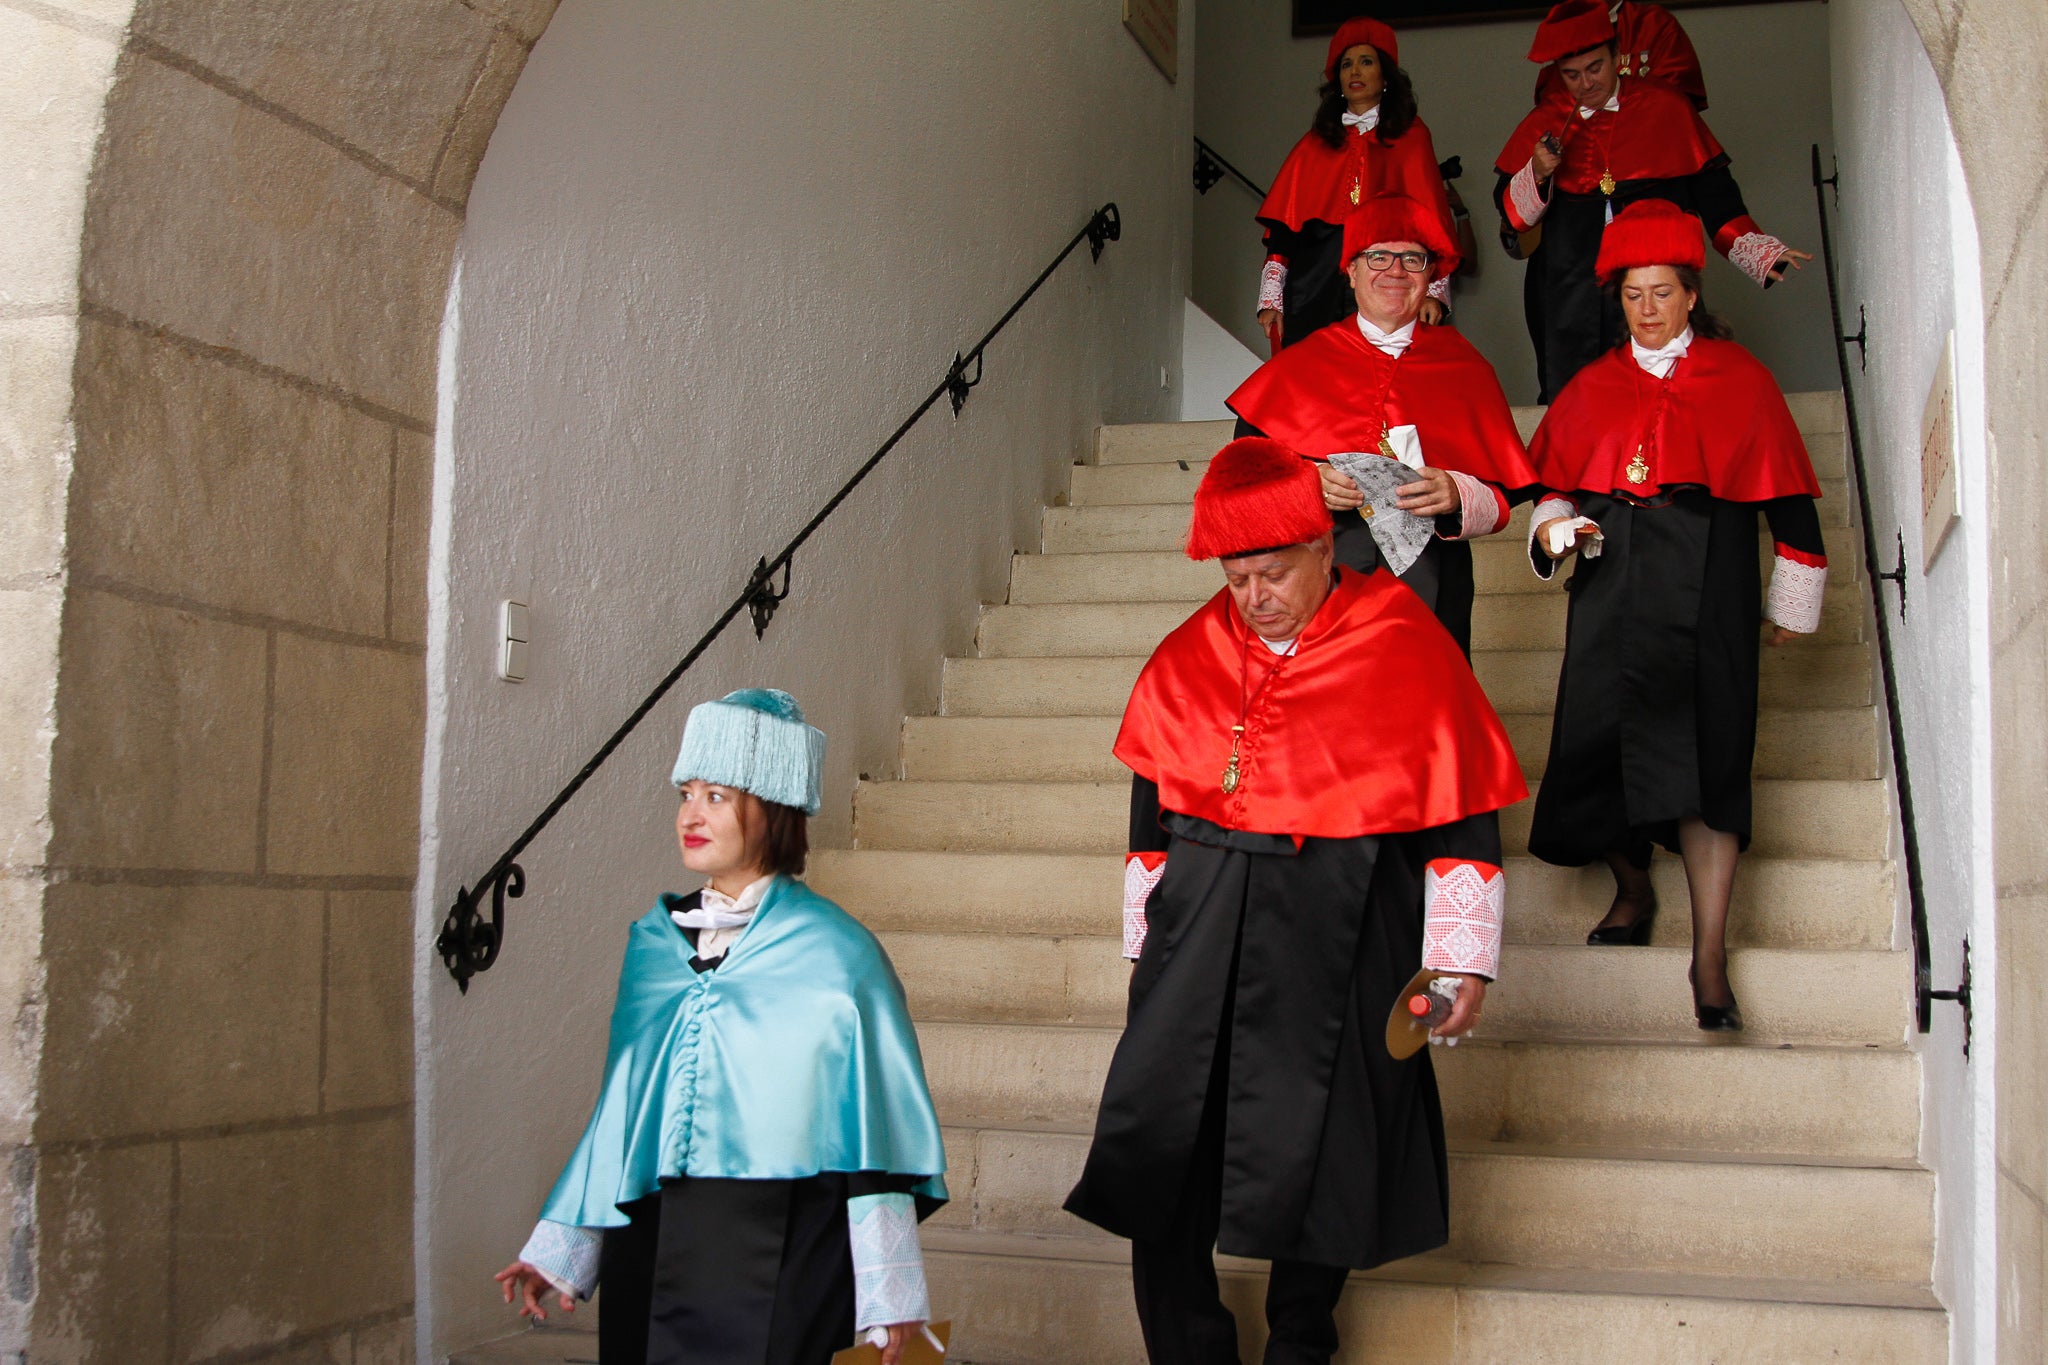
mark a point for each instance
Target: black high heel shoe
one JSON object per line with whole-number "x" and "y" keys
{"x": 1714, "y": 1018}
{"x": 1634, "y": 934}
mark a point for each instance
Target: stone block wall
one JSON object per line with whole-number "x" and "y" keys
{"x": 218, "y": 359}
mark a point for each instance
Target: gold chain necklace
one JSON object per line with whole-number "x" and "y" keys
{"x": 1233, "y": 775}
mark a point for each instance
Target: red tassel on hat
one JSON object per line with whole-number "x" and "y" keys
{"x": 1571, "y": 27}
{"x": 1398, "y": 218}
{"x": 1351, "y": 33}
{"x": 1256, "y": 495}
{"x": 1650, "y": 232}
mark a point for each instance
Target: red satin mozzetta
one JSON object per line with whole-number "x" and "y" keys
{"x": 1719, "y": 422}
{"x": 1336, "y": 391}
{"x": 1316, "y": 179}
{"x": 1656, "y": 135}
{"x": 1375, "y": 726}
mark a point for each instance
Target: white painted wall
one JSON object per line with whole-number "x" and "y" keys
{"x": 1767, "y": 74}
{"x": 714, "y": 255}
{"x": 1213, "y": 363}
{"x": 1907, "y": 242}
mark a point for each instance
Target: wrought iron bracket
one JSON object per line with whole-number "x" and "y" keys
{"x": 1833, "y": 182}
{"x": 1106, "y": 226}
{"x": 1897, "y": 576}
{"x": 762, "y": 595}
{"x": 1862, "y": 334}
{"x": 1209, "y": 171}
{"x": 467, "y": 943}
{"x": 958, "y": 384}
{"x": 1960, "y": 995}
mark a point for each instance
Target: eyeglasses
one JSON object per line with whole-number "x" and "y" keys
{"x": 1414, "y": 262}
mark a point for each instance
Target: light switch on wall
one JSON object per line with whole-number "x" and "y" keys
{"x": 512, "y": 640}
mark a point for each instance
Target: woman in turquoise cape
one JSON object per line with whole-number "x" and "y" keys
{"x": 763, "y": 1143}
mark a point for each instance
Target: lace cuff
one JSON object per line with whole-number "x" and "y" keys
{"x": 1440, "y": 290}
{"x": 1525, "y": 203}
{"x": 1272, "y": 284}
{"x": 1551, "y": 507}
{"x": 1481, "y": 509}
{"x": 1797, "y": 582}
{"x": 1142, "y": 872}
{"x": 566, "y": 1254}
{"x": 1754, "y": 253}
{"x": 1464, "y": 903}
{"x": 888, "y": 1261}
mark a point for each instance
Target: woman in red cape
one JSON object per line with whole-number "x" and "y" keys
{"x": 1366, "y": 140}
{"x": 1658, "y": 457}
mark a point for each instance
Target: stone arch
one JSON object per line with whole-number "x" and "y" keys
{"x": 227, "y": 230}
{"x": 220, "y": 349}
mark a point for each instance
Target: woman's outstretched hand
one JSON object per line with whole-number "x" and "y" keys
{"x": 531, "y": 1286}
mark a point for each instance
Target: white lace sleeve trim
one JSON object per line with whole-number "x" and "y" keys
{"x": 1754, "y": 253}
{"x": 1795, "y": 596}
{"x": 1478, "y": 507}
{"x": 1272, "y": 284}
{"x": 1440, "y": 290}
{"x": 1142, "y": 872}
{"x": 1464, "y": 905}
{"x": 1526, "y": 205}
{"x": 888, "y": 1261}
{"x": 566, "y": 1254}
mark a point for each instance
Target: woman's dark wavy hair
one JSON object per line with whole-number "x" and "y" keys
{"x": 1705, "y": 325}
{"x": 785, "y": 839}
{"x": 1397, "y": 106}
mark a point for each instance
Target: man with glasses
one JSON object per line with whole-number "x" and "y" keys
{"x": 1575, "y": 162}
{"x": 1382, "y": 383}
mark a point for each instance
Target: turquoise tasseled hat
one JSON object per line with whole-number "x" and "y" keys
{"x": 755, "y": 739}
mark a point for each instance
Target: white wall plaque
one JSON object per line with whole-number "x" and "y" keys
{"x": 1938, "y": 437}
{"x": 1156, "y": 26}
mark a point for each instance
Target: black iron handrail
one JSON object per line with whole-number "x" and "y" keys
{"x": 1924, "y": 994}
{"x": 468, "y": 943}
{"x": 1210, "y": 168}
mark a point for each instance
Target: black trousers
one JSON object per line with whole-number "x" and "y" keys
{"x": 1180, "y": 1304}
{"x": 729, "y": 1272}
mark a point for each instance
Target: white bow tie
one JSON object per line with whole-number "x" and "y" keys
{"x": 707, "y": 917}
{"x": 1364, "y": 122}
{"x": 1613, "y": 105}
{"x": 1664, "y": 357}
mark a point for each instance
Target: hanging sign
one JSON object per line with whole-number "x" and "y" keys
{"x": 1156, "y": 26}
{"x": 1938, "y": 438}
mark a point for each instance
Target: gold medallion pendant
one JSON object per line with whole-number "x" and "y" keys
{"x": 1387, "y": 446}
{"x": 1606, "y": 183}
{"x": 1230, "y": 777}
{"x": 1637, "y": 471}
{"x": 1354, "y": 191}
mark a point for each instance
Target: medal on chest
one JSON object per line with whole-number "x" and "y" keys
{"x": 1607, "y": 182}
{"x": 1233, "y": 772}
{"x": 1230, "y": 774}
{"x": 1637, "y": 470}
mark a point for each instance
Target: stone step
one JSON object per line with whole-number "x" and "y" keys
{"x": 1697, "y": 1214}
{"x": 1499, "y": 621}
{"x": 1500, "y": 565}
{"x": 1851, "y": 1103}
{"x": 1819, "y": 743}
{"x": 1779, "y": 902}
{"x": 1794, "y": 995}
{"x": 1792, "y": 819}
{"x": 1819, "y": 415}
{"x": 1517, "y": 681}
{"x": 1026, "y": 1301}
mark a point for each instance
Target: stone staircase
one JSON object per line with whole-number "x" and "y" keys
{"x": 1624, "y": 1187}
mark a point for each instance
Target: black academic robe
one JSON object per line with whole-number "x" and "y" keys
{"x": 1268, "y": 971}
{"x": 1657, "y": 699}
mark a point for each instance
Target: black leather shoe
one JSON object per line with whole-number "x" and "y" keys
{"x": 1634, "y": 934}
{"x": 1715, "y": 1019}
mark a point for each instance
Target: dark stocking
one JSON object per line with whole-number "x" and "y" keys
{"x": 1710, "y": 856}
{"x": 1634, "y": 897}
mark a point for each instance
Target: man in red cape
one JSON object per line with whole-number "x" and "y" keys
{"x": 1572, "y": 164}
{"x": 1314, "y": 807}
{"x": 1650, "y": 45}
{"x": 1382, "y": 381}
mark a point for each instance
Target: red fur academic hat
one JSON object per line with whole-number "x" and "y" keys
{"x": 1571, "y": 27}
{"x": 1352, "y": 32}
{"x": 1256, "y": 495}
{"x": 1398, "y": 218}
{"x": 1650, "y": 232}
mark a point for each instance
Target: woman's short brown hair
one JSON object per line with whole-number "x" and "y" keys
{"x": 785, "y": 839}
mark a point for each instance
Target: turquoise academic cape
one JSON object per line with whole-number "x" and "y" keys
{"x": 796, "y": 1056}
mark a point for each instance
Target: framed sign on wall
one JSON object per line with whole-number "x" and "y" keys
{"x": 1313, "y": 18}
